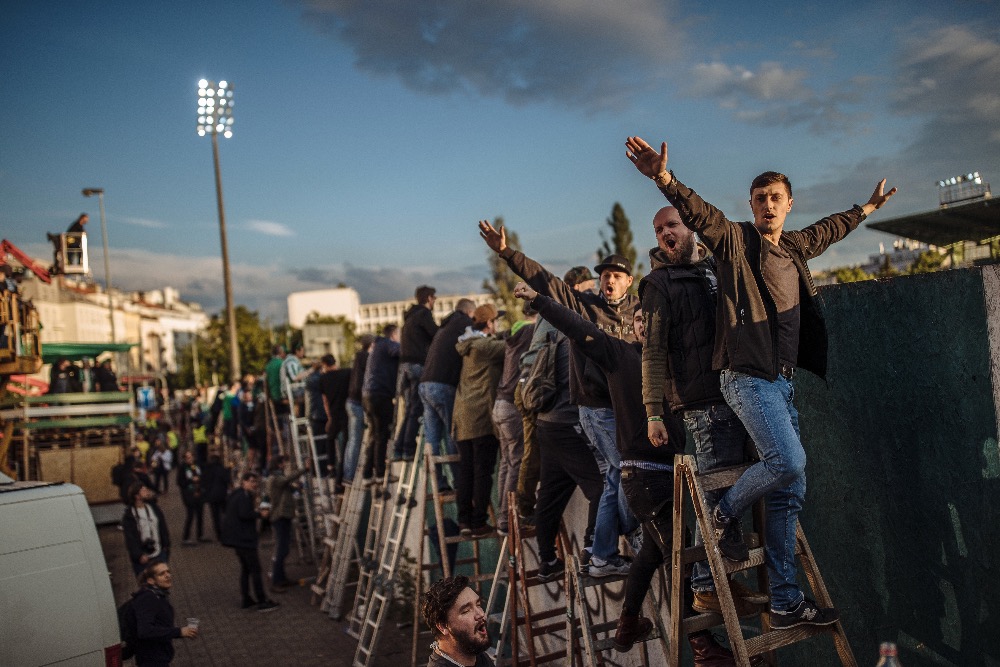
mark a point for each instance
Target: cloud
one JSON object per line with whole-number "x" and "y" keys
{"x": 581, "y": 53}
{"x": 145, "y": 222}
{"x": 269, "y": 228}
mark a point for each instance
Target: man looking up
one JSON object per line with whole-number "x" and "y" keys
{"x": 611, "y": 310}
{"x": 769, "y": 322}
{"x": 454, "y": 613}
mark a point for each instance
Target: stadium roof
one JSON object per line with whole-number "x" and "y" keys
{"x": 975, "y": 221}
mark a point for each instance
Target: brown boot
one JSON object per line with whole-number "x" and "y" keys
{"x": 708, "y": 653}
{"x": 631, "y": 629}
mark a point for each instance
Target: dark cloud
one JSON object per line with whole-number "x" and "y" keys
{"x": 576, "y": 52}
{"x": 394, "y": 284}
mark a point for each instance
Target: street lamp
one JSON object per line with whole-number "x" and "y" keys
{"x": 90, "y": 192}
{"x": 215, "y": 117}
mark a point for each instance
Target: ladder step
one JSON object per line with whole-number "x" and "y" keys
{"x": 318, "y": 590}
{"x": 778, "y": 638}
{"x": 609, "y": 642}
{"x": 587, "y": 581}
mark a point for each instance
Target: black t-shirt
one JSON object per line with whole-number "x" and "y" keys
{"x": 335, "y": 386}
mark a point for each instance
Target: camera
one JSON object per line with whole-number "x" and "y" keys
{"x": 149, "y": 546}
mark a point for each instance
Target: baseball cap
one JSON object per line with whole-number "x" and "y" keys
{"x": 615, "y": 263}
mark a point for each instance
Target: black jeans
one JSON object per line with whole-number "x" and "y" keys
{"x": 217, "y": 509}
{"x": 379, "y": 411}
{"x": 250, "y": 573}
{"x": 650, "y": 495}
{"x": 413, "y": 409}
{"x": 474, "y": 484}
{"x": 196, "y": 514}
{"x": 566, "y": 463}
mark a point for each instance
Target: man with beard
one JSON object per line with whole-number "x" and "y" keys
{"x": 454, "y": 613}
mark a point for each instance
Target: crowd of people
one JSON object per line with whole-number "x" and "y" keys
{"x": 595, "y": 387}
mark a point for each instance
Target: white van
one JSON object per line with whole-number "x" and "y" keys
{"x": 55, "y": 590}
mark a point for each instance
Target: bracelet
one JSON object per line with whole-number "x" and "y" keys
{"x": 654, "y": 419}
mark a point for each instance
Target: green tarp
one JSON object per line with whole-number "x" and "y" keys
{"x": 78, "y": 351}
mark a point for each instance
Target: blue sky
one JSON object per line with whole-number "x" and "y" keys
{"x": 371, "y": 136}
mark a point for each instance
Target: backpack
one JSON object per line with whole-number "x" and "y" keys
{"x": 128, "y": 627}
{"x": 538, "y": 391}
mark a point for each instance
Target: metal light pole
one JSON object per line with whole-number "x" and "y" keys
{"x": 90, "y": 192}
{"x": 215, "y": 117}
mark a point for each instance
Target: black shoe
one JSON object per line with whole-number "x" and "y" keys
{"x": 485, "y": 529}
{"x": 729, "y": 533}
{"x": 631, "y": 629}
{"x": 585, "y": 557}
{"x": 267, "y": 605}
{"x": 248, "y": 602}
{"x": 807, "y": 613}
{"x": 550, "y": 571}
{"x": 464, "y": 529}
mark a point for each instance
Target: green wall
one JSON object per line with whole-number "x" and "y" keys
{"x": 903, "y": 499}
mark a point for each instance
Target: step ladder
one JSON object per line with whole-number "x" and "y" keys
{"x": 430, "y": 567}
{"x": 689, "y": 489}
{"x": 383, "y": 584}
{"x": 557, "y": 622}
{"x": 313, "y": 499}
{"x": 341, "y": 545}
{"x": 598, "y": 636}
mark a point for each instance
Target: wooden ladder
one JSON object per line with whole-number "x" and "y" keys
{"x": 689, "y": 489}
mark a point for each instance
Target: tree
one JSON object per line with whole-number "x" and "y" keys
{"x": 501, "y": 282}
{"x": 887, "y": 270}
{"x": 252, "y": 337}
{"x": 851, "y": 274}
{"x": 621, "y": 241}
{"x": 928, "y": 261}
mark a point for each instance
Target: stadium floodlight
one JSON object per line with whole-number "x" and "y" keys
{"x": 215, "y": 117}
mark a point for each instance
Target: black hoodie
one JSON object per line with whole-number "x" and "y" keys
{"x": 418, "y": 331}
{"x": 443, "y": 362}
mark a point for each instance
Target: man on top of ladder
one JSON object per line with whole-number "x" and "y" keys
{"x": 454, "y": 612}
{"x": 771, "y": 323}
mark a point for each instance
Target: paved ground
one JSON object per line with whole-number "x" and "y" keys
{"x": 206, "y": 585}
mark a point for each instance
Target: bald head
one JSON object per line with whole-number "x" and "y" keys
{"x": 673, "y": 238}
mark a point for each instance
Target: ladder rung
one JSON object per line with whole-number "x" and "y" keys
{"x": 778, "y": 638}
{"x": 318, "y": 590}
{"x": 609, "y": 642}
{"x": 587, "y": 581}
{"x": 720, "y": 478}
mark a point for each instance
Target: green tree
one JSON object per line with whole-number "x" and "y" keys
{"x": 887, "y": 270}
{"x": 851, "y": 274}
{"x": 253, "y": 338}
{"x": 500, "y": 284}
{"x": 621, "y": 241}
{"x": 928, "y": 261}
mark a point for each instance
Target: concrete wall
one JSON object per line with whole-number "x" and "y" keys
{"x": 903, "y": 504}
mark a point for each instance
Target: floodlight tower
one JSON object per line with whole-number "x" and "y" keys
{"x": 215, "y": 117}
{"x": 90, "y": 192}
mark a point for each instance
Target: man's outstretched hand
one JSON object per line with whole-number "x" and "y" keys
{"x": 522, "y": 291}
{"x": 496, "y": 240}
{"x": 645, "y": 158}
{"x": 878, "y": 198}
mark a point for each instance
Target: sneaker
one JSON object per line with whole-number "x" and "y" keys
{"x": 585, "y": 557}
{"x": 550, "y": 571}
{"x": 729, "y": 534}
{"x": 807, "y": 613}
{"x": 631, "y": 629}
{"x": 464, "y": 529}
{"x": 614, "y": 567}
{"x": 267, "y": 605}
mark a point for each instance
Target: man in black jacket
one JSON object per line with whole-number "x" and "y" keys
{"x": 239, "y": 531}
{"x": 440, "y": 381}
{"x": 418, "y": 332}
{"x": 611, "y": 310}
{"x": 770, "y": 321}
{"x": 378, "y": 397}
{"x": 678, "y": 299}
{"x": 154, "y": 618}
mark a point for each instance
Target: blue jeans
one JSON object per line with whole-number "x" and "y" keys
{"x": 614, "y": 517}
{"x": 439, "y": 400}
{"x": 355, "y": 432}
{"x": 769, "y": 415}
{"x": 720, "y": 440}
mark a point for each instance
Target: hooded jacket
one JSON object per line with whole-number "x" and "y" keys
{"x": 745, "y": 340}
{"x": 678, "y": 303}
{"x": 587, "y": 384}
{"x": 443, "y": 364}
{"x": 482, "y": 363}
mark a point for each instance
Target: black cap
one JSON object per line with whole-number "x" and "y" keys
{"x": 615, "y": 263}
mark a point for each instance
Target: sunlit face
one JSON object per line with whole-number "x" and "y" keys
{"x": 674, "y": 239}
{"x": 770, "y": 205}
{"x": 614, "y": 284}
{"x": 161, "y": 576}
{"x": 639, "y": 325}
{"x": 467, "y": 623}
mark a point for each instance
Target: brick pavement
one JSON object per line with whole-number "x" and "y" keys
{"x": 206, "y": 585}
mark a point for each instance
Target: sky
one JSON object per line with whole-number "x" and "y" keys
{"x": 370, "y": 136}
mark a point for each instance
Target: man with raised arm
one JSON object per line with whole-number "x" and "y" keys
{"x": 769, "y": 322}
